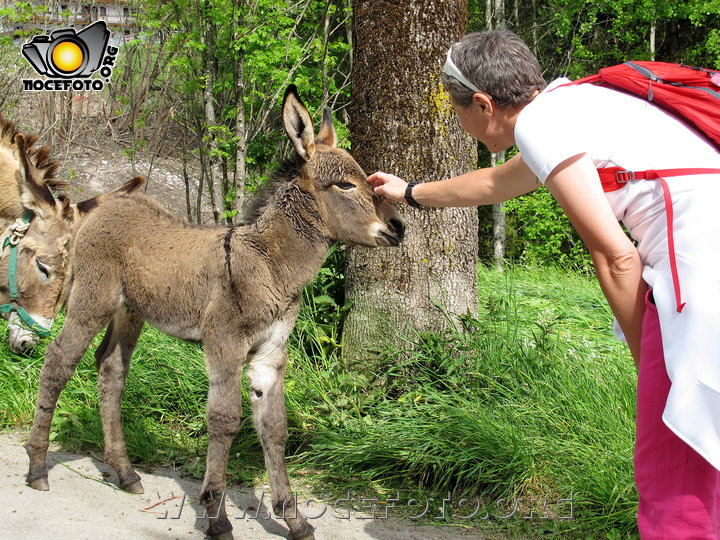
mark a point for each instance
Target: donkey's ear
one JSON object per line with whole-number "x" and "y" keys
{"x": 66, "y": 208}
{"x": 326, "y": 135}
{"x": 34, "y": 194}
{"x": 298, "y": 124}
{"x": 85, "y": 207}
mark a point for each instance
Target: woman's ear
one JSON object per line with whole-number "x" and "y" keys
{"x": 484, "y": 102}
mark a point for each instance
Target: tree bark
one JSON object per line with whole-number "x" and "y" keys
{"x": 653, "y": 31}
{"x": 240, "y": 135}
{"x": 402, "y": 122}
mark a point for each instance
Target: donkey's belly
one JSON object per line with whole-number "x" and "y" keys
{"x": 179, "y": 325}
{"x": 169, "y": 309}
{"x": 178, "y": 330}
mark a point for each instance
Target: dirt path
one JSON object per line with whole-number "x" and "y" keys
{"x": 80, "y": 505}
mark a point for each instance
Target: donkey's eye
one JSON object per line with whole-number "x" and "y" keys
{"x": 43, "y": 268}
{"x": 345, "y": 185}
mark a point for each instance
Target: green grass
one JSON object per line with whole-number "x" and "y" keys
{"x": 532, "y": 400}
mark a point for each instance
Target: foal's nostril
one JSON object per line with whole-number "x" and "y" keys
{"x": 398, "y": 227}
{"x": 22, "y": 345}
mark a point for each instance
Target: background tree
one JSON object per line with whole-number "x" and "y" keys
{"x": 495, "y": 19}
{"x": 202, "y": 79}
{"x": 403, "y": 123}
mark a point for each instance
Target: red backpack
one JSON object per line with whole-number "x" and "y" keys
{"x": 692, "y": 95}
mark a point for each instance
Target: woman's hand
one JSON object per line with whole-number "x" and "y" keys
{"x": 482, "y": 186}
{"x": 388, "y": 185}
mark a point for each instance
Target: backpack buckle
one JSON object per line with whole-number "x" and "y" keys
{"x": 623, "y": 177}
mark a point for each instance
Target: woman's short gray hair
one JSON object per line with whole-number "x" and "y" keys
{"x": 500, "y": 64}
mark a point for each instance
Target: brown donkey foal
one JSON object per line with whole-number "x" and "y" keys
{"x": 236, "y": 290}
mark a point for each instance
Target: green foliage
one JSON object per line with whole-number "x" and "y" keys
{"x": 591, "y": 35}
{"x": 239, "y": 57}
{"x": 704, "y": 18}
{"x": 577, "y": 37}
{"x": 319, "y": 325}
{"x": 13, "y": 15}
{"x": 542, "y": 234}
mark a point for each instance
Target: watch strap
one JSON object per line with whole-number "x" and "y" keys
{"x": 409, "y": 197}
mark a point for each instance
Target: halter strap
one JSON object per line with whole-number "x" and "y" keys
{"x": 16, "y": 233}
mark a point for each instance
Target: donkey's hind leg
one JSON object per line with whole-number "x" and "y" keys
{"x": 61, "y": 358}
{"x": 113, "y": 362}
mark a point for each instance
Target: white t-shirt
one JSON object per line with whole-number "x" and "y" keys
{"x": 617, "y": 129}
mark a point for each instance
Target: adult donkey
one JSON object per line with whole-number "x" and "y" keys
{"x": 31, "y": 286}
{"x": 37, "y": 232}
{"x": 236, "y": 290}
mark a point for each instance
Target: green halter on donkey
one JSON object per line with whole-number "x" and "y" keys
{"x": 16, "y": 232}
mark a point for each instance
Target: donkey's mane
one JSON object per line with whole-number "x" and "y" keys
{"x": 256, "y": 205}
{"x": 39, "y": 156}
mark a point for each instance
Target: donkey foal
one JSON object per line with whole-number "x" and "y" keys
{"x": 237, "y": 290}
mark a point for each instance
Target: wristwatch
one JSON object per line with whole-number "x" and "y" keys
{"x": 408, "y": 195}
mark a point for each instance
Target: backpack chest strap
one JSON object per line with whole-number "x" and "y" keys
{"x": 614, "y": 178}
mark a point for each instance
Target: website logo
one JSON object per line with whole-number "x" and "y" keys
{"x": 69, "y": 58}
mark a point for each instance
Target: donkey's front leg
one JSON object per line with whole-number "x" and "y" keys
{"x": 61, "y": 358}
{"x": 224, "y": 410}
{"x": 266, "y": 373}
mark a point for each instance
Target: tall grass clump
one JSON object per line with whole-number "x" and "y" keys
{"x": 531, "y": 400}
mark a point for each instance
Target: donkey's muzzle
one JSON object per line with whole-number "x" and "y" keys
{"x": 392, "y": 233}
{"x": 397, "y": 227}
{"x": 20, "y": 338}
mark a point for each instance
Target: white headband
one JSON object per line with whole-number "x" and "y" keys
{"x": 451, "y": 69}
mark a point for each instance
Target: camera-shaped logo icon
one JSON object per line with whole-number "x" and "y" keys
{"x": 68, "y": 54}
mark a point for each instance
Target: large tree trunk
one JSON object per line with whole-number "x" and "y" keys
{"x": 402, "y": 122}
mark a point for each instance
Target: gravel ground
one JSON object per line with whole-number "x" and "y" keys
{"x": 83, "y": 504}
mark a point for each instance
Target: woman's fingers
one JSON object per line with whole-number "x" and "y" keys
{"x": 388, "y": 185}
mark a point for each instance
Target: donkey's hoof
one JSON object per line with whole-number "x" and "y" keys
{"x": 220, "y": 529}
{"x": 307, "y": 532}
{"x": 41, "y": 484}
{"x": 133, "y": 487}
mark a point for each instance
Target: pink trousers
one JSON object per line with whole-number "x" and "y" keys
{"x": 679, "y": 490}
